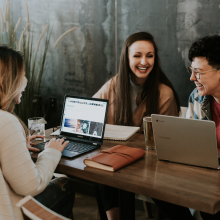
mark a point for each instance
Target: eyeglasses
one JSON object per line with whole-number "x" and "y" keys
{"x": 196, "y": 73}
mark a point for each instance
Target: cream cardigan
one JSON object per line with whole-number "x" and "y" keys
{"x": 19, "y": 176}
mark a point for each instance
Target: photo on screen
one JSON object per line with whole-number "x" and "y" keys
{"x": 96, "y": 128}
{"x": 70, "y": 123}
{"x": 82, "y": 126}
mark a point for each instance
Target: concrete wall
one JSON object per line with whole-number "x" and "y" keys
{"x": 84, "y": 60}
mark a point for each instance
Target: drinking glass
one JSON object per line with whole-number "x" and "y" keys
{"x": 148, "y": 133}
{"x": 36, "y": 126}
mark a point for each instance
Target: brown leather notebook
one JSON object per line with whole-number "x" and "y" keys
{"x": 114, "y": 158}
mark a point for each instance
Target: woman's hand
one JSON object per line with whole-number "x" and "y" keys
{"x": 57, "y": 144}
{"x": 29, "y": 144}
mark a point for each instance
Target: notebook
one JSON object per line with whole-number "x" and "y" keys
{"x": 119, "y": 132}
{"x": 187, "y": 141}
{"x": 82, "y": 124}
{"x": 114, "y": 132}
{"x": 114, "y": 158}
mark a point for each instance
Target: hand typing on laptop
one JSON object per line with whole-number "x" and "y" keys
{"x": 57, "y": 144}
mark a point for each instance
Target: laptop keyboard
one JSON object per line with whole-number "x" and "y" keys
{"x": 79, "y": 147}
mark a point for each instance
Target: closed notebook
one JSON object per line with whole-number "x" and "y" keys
{"x": 119, "y": 132}
{"x": 114, "y": 158}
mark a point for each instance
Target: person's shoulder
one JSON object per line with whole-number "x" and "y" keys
{"x": 107, "y": 88}
{"x": 165, "y": 91}
{"x": 111, "y": 83}
{"x": 6, "y": 118}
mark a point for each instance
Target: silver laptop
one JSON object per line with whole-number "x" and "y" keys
{"x": 187, "y": 141}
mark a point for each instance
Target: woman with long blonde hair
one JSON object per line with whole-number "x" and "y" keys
{"x": 19, "y": 176}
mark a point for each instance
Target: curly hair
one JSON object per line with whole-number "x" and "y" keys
{"x": 208, "y": 47}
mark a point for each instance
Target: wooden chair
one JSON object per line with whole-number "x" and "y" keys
{"x": 32, "y": 209}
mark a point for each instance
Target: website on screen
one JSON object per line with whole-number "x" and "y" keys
{"x": 83, "y": 116}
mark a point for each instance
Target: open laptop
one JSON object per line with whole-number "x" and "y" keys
{"x": 82, "y": 124}
{"x": 187, "y": 141}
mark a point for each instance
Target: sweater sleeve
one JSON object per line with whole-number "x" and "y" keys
{"x": 23, "y": 175}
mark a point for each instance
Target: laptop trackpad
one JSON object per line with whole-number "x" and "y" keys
{"x": 68, "y": 153}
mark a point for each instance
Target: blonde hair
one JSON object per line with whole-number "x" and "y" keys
{"x": 11, "y": 77}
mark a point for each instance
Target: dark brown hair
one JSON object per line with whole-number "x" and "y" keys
{"x": 123, "y": 113}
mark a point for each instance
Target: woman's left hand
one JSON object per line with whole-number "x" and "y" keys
{"x": 29, "y": 144}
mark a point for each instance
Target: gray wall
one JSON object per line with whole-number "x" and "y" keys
{"x": 85, "y": 59}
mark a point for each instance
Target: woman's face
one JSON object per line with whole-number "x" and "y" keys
{"x": 209, "y": 82}
{"x": 24, "y": 84}
{"x": 141, "y": 57}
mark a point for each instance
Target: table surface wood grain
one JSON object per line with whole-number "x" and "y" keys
{"x": 189, "y": 186}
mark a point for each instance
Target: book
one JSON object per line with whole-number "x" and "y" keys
{"x": 114, "y": 132}
{"x": 114, "y": 158}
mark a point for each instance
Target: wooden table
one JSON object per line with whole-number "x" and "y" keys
{"x": 194, "y": 187}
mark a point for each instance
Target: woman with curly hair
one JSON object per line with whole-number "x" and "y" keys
{"x": 204, "y": 104}
{"x": 19, "y": 176}
{"x": 139, "y": 89}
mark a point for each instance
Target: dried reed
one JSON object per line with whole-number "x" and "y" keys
{"x": 34, "y": 61}
{"x": 20, "y": 41}
{"x": 2, "y": 21}
{"x": 28, "y": 19}
{"x": 5, "y": 10}
{"x": 16, "y": 26}
{"x": 27, "y": 43}
{"x": 41, "y": 36}
{"x": 62, "y": 36}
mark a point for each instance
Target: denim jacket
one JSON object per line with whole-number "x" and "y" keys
{"x": 198, "y": 106}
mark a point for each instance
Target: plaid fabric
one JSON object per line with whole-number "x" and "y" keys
{"x": 198, "y": 107}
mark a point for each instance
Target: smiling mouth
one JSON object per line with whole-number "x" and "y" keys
{"x": 142, "y": 69}
{"x": 199, "y": 85}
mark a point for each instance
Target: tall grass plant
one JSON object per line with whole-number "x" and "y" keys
{"x": 34, "y": 59}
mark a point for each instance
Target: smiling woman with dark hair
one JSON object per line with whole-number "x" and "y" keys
{"x": 204, "y": 104}
{"x": 139, "y": 89}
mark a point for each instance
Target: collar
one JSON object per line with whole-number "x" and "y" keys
{"x": 205, "y": 105}
{"x": 137, "y": 88}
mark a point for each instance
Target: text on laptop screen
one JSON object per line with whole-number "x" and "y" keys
{"x": 85, "y": 117}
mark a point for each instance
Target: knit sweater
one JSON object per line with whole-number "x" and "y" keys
{"x": 19, "y": 176}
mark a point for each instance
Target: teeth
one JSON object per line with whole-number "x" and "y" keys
{"x": 141, "y": 68}
{"x": 199, "y": 85}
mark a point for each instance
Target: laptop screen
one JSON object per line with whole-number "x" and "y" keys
{"x": 84, "y": 118}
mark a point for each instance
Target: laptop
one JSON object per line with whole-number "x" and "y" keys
{"x": 187, "y": 141}
{"x": 82, "y": 124}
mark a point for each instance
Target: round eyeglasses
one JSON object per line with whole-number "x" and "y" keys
{"x": 196, "y": 73}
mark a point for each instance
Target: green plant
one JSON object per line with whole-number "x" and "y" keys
{"x": 34, "y": 60}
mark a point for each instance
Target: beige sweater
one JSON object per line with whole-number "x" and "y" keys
{"x": 167, "y": 103}
{"x": 19, "y": 176}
